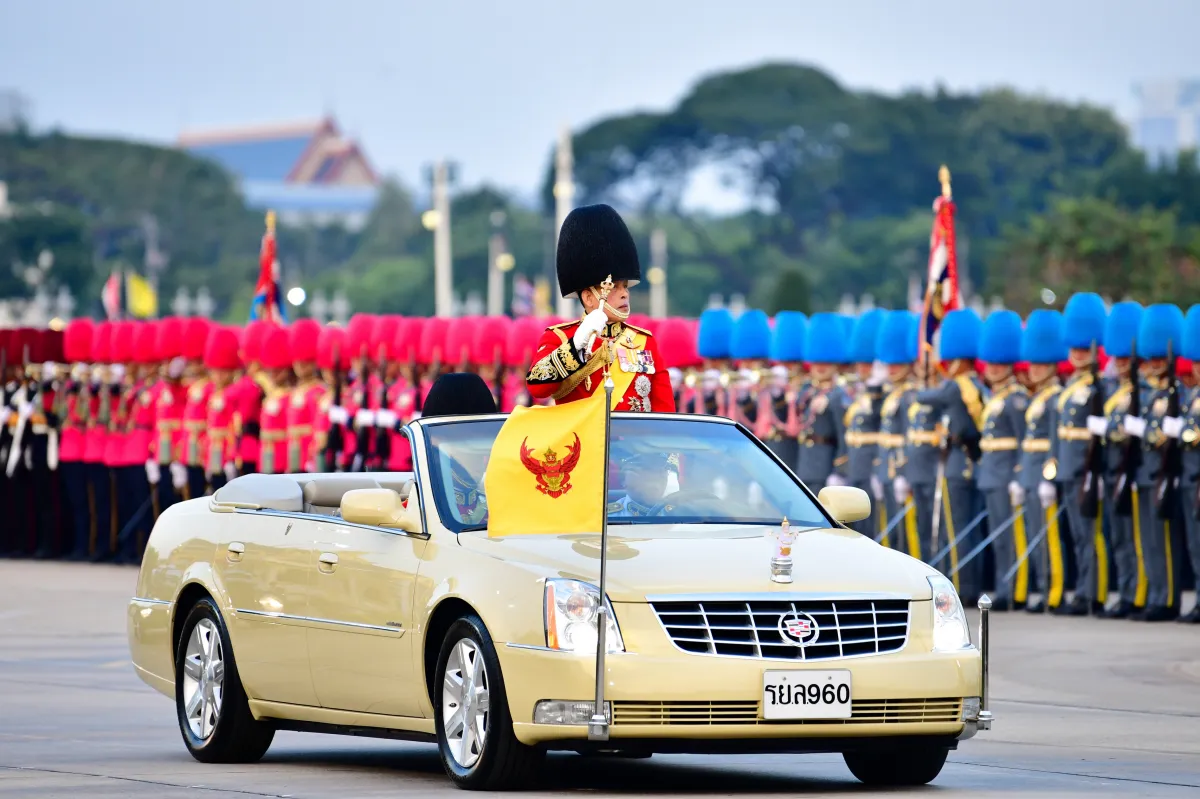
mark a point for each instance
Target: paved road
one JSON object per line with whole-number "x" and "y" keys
{"x": 1085, "y": 708}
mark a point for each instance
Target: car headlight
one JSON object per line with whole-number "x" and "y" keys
{"x": 572, "y": 611}
{"x": 950, "y": 632}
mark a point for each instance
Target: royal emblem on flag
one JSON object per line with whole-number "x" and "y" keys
{"x": 553, "y": 475}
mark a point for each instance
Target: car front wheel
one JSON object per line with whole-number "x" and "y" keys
{"x": 474, "y": 728}
{"x": 214, "y": 715}
{"x": 906, "y": 763}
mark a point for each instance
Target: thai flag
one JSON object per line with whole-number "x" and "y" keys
{"x": 941, "y": 293}
{"x": 268, "y": 296}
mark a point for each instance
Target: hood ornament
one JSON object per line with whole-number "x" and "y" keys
{"x": 781, "y": 556}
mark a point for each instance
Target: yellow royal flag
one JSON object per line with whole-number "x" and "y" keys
{"x": 140, "y": 297}
{"x": 546, "y": 470}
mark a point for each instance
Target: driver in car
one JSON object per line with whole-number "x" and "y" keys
{"x": 649, "y": 478}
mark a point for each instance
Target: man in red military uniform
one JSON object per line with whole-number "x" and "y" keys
{"x": 598, "y": 261}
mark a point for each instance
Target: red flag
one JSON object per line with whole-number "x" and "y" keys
{"x": 110, "y": 296}
{"x": 941, "y": 293}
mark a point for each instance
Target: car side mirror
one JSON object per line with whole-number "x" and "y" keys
{"x": 845, "y": 503}
{"x": 379, "y": 507}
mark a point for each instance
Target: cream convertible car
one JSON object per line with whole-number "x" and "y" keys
{"x": 376, "y": 604}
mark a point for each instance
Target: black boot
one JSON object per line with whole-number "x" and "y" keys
{"x": 1121, "y": 610}
{"x": 1156, "y": 613}
{"x": 1192, "y": 617}
{"x": 1076, "y": 607}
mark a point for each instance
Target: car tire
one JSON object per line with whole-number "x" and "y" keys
{"x": 500, "y": 762}
{"x": 904, "y": 764}
{"x": 210, "y": 703}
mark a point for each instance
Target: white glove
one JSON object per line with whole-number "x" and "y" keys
{"x": 364, "y": 418}
{"x": 178, "y": 475}
{"x": 1134, "y": 426}
{"x": 230, "y": 471}
{"x": 415, "y": 415}
{"x": 1047, "y": 493}
{"x": 153, "y": 473}
{"x": 835, "y": 479}
{"x": 595, "y": 322}
{"x": 676, "y": 376}
{"x": 117, "y": 372}
{"x": 176, "y": 368}
{"x": 25, "y": 410}
{"x": 49, "y": 368}
{"x": 1172, "y": 426}
{"x": 338, "y": 415}
{"x": 1097, "y": 425}
{"x": 901, "y": 490}
{"x": 385, "y": 418}
{"x": 5, "y": 413}
{"x": 878, "y": 375}
{"x": 876, "y": 488}
{"x": 1016, "y": 494}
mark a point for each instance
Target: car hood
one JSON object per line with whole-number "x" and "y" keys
{"x": 644, "y": 560}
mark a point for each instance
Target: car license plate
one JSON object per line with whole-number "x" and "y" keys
{"x": 803, "y": 694}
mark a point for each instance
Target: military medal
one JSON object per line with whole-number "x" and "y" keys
{"x": 641, "y": 385}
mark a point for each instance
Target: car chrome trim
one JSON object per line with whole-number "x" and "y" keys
{"x": 146, "y": 601}
{"x": 539, "y": 648}
{"x": 333, "y": 622}
{"x": 338, "y": 520}
{"x": 781, "y": 596}
{"x": 417, "y": 484}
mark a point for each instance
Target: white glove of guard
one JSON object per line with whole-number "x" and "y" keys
{"x": 876, "y": 488}
{"x": 230, "y": 470}
{"x": 364, "y": 418}
{"x": 117, "y": 372}
{"x": 835, "y": 479}
{"x": 153, "y": 473}
{"x": 901, "y": 490}
{"x": 415, "y": 415}
{"x": 1172, "y": 426}
{"x": 338, "y": 415}
{"x": 5, "y": 413}
{"x": 1016, "y": 494}
{"x": 178, "y": 475}
{"x": 1134, "y": 426}
{"x": 385, "y": 418}
{"x": 25, "y": 411}
{"x": 1097, "y": 425}
{"x": 1047, "y": 493}
{"x": 594, "y": 322}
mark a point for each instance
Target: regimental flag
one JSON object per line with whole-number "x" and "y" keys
{"x": 941, "y": 292}
{"x": 110, "y": 296}
{"x": 141, "y": 300}
{"x": 546, "y": 470}
{"x": 268, "y": 296}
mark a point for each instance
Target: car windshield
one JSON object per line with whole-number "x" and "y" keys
{"x": 661, "y": 471}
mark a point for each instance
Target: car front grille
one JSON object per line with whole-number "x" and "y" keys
{"x": 753, "y": 629}
{"x": 864, "y": 711}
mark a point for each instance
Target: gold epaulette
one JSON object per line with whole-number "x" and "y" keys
{"x": 561, "y": 325}
{"x": 641, "y": 330}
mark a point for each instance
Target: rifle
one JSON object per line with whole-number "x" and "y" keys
{"x": 14, "y": 450}
{"x": 1166, "y": 489}
{"x": 362, "y": 438}
{"x": 1089, "y": 489}
{"x": 334, "y": 444}
{"x": 383, "y": 435}
{"x": 1131, "y": 456}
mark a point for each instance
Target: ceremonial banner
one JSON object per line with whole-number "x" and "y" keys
{"x": 140, "y": 297}
{"x": 268, "y": 296}
{"x": 546, "y": 470}
{"x": 941, "y": 293}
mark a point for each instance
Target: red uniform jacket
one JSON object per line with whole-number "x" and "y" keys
{"x": 195, "y": 417}
{"x": 307, "y": 421}
{"x": 169, "y": 398}
{"x": 220, "y": 443}
{"x": 141, "y": 423}
{"x": 249, "y": 391}
{"x": 273, "y": 433}
{"x": 641, "y": 381}
{"x": 71, "y": 442}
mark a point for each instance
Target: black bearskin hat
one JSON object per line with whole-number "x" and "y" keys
{"x": 593, "y": 244}
{"x": 458, "y": 394}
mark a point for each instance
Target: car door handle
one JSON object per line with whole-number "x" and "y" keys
{"x": 327, "y": 560}
{"x": 236, "y": 550}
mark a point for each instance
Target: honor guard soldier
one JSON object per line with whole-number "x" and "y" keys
{"x": 598, "y": 261}
{"x": 307, "y": 400}
{"x": 1191, "y": 457}
{"x": 116, "y": 450}
{"x": 713, "y": 341}
{"x": 823, "y": 457}
{"x": 248, "y": 395}
{"x": 100, "y": 482}
{"x": 190, "y": 479}
{"x": 361, "y": 398}
{"x": 273, "y": 421}
{"x": 678, "y": 349}
{"x": 958, "y": 402}
{"x": 1122, "y": 454}
{"x": 862, "y": 417}
{"x": 1083, "y": 330}
{"x": 896, "y": 348}
{"x": 137, "y": 489}
{"x": 923, "y": 443}
{"x": 170, "y": 397}
{"x": 77, "y": 348}
{"x": 1160, "y": 334}
{"x": 1036, "y": 473}
{"x": 333, "y": 360}
{"x": 781, "y": 398}
{"x": 402, "y": 398}
{"x": 518, "y": 356}
{"x": 220, "y": 443}
{"x": 750, "y": 347}
{"x": 1000, "y": 344}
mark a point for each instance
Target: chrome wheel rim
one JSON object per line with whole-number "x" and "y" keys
{"x": 465, "y": 703}
{"x": 203, "y": 679}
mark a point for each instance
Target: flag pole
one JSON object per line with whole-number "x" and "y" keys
{"x": 598, "y": 724}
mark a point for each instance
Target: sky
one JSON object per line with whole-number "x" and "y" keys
{"x": 489, "y": 84}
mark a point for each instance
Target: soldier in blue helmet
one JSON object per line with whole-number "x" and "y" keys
{"x": 780, "y": 425}
{"x": 713, "y": 344}
{"x": 896, "y": 348}
{"x": 1160, "y": 334}
{"x": 750, "y": 347}
{"x": 957, "y": 403}
{"x": 1191, "y": 457}
{"x": 862, "y": 418}
{"x": 822, "y": 459}
{"x": 1120, "y": 331}
{"x": 1002, "y": 429}
{"x": 1083, "y": 331}
{"x": 1036, "y": 470}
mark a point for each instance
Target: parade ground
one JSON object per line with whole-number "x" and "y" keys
{"x": 1084, "y": 707}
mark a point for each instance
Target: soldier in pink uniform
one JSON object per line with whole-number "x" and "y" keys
{"x": 273, "y": 420}
{"x": 188, "y": 471}
{"x": 333, "y": 357}
{"x": 429, "y": 353}
{"x": 308, "y": 398}
{"x": 169, "y": 397}
{"x": 362, "y": 399}
{"x": 77, "y": 348}
{"x": 133, "y": 487}
{"x": 220, "y": 444}
{"x": 248, "y": 396}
